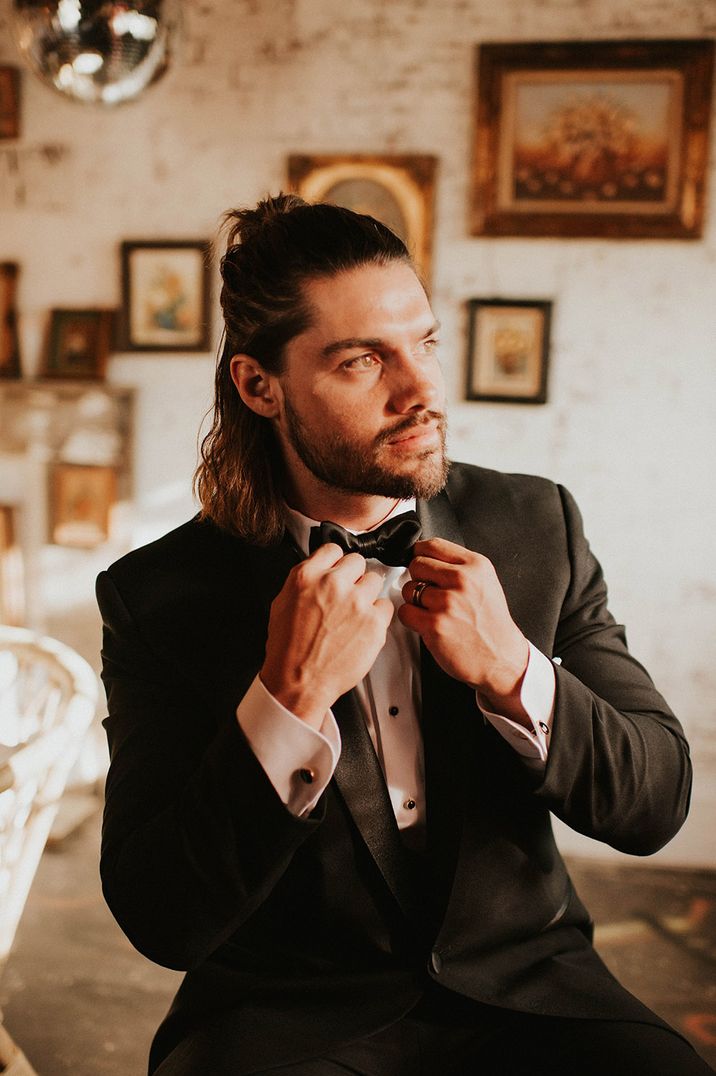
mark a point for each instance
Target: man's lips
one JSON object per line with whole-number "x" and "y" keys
{"x": 416, "y": 434}
{"x": 409, "y": 430}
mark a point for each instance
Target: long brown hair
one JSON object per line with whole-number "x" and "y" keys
{"x": 271, "y": 252}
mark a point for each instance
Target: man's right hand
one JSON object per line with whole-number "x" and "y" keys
{"x": 326, "y": 628}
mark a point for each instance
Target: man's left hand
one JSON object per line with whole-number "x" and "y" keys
{"x": 465, "y": 622}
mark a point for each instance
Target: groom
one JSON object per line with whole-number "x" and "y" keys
{"x": 345, "y": 698}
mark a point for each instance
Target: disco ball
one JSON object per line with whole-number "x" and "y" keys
{"x": 97, "y": 51}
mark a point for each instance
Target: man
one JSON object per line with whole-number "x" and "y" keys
{"x": 331, "y": 776}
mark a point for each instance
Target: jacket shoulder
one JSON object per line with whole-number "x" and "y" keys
{"x": 469, "y": 486}
{"x": 188, "y": 544}
{"x": 196, "y": 570}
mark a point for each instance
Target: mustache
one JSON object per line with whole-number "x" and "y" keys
{"x": 424, "y": 419}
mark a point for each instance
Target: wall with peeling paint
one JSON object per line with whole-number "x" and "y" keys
{"x": 632, "y": 401}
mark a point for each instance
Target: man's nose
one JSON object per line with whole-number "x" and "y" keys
{"x": 417, "y": 385}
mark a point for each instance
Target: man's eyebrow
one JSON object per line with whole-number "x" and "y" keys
{"x": 351, "y": 342}
{"x": 369, "y": 343}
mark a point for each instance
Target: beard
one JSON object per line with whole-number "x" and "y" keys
{"x": 351, "y": 468}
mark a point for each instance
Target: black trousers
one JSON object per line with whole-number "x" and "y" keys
{"x": 446, "y": 1035}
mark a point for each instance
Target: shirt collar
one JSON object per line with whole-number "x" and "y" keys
{"x": 300, "y": 526}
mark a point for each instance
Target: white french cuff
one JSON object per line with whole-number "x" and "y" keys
{"x": 297, "y": 759}
{"x": 537, "y": 697}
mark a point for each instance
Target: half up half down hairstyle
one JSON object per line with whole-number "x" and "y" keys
{"x": 272, "y": 251}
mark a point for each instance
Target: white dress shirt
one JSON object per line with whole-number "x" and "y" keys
{"x": 299, "y": 760}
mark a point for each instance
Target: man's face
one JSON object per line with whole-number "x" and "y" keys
{"x": 362, "y": 395}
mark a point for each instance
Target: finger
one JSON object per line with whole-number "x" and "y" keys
{"x": 386, "y": 609}
{"x": 442, "y": 549}
{"x": 429, "y": 570}
{"x": 371, "y": 585}
{"x": 427, "y": 595}
{"x": 349, "y": 568}
{"x": 324, "y": 558}
{"x": 419, "y": 620}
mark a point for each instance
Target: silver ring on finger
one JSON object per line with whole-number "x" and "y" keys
{"x": 417, "y": 595}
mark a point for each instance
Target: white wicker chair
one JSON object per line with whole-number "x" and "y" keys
{"x": 48, "y": 696}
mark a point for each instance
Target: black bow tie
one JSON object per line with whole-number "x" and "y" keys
{"x": 392, "y": 542}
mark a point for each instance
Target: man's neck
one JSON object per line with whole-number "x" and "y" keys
{"x": 356, "y": 511}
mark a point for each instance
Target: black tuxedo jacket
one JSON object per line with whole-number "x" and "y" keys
{"x": 301, "y": 933}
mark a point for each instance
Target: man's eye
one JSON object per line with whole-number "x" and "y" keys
{"x": 430, "y": 345}
{"x": 361, "y": 362}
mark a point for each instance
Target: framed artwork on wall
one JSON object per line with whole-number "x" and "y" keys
{"x": 508, "y": 350}
{"x": 9, "y": 343}
{"x": 165, "y": 296}
{"x": 599, "y": 138}
{"x": 81, "y": 499}
{"x": 397, "y": 189}
{"x": 9, "y": 102}
{"x": 78, "y": 343}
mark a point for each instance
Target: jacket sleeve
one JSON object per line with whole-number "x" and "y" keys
{"x": 618, "y": 768}
{"x": 194, "y": 835}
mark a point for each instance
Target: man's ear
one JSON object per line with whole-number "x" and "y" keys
{"x": 257, "y": 389}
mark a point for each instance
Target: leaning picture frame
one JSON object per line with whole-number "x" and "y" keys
{"x": 397, "y": 189}
{"x": 12, "y": 591}
{"x": 606, "y": 139}
{"x": 9, "y": 102}
{"x": 9, "y": 340}
{"x": 78, "y": 344}
{"x": 165, "y": 295}
{"x": 508, "y": 350}
{"x": 81, "y": 500}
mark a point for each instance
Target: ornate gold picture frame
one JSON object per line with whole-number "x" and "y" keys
{"x": 603, "y": 138}
{"x": 397, "y": 189}
{"x": 82, "y": 497}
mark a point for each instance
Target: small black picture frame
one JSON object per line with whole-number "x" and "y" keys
{"x": 508, "y": 350}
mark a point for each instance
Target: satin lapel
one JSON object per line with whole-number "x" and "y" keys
{"x": 360, "y": 781}
{"x": 444, "y": 704}
{"x": 439, "y": 520}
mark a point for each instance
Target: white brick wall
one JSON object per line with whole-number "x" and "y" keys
{"x": 632, "y": 409}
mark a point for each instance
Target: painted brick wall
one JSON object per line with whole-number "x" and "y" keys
{"x": 632, "y": 410}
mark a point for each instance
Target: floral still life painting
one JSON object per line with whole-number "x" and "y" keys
{"x": 605, "y": 138}
{"x": 165, "y": 296}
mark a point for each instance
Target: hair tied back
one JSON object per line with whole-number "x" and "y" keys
{"x": 247, "y": 226}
